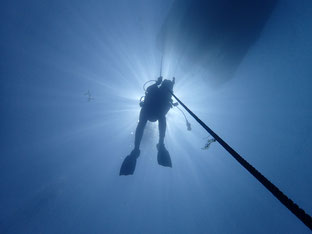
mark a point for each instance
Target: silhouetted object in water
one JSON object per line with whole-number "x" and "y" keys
{"x": 128, "y": 165}
{"x": 188, "y": 124}
{"x": 156, "y": 104}
{"x": 163, "y": 156}
{"x": 213, "y": 35}
{"x": 88, "y": 94}
{"x": 208, "y": 143}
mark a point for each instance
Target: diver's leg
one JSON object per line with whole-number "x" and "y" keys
{"x": 129, "y": 163}
{"x": 139, "y": 130}
{"x": 163, "y": 156}
{"x": 162, "y": 129}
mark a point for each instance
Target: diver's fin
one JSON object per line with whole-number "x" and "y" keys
{"x": 163, "y": 156}
{"x": 128, "y": 165}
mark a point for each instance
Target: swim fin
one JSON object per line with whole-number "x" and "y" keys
{"x": 163, "y": 156}
{"x": 128, "y": 165}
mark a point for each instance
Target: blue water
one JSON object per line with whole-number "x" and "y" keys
{"x": 60, "y": 154}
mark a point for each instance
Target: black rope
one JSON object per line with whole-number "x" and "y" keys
{"x": 293, "y": 207}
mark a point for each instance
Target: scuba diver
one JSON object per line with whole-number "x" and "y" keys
{"x": 157, "y": 102}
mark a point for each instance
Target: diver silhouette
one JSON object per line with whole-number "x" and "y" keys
{"x": 156, "y": 104}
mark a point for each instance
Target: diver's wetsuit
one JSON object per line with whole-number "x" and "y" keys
{"x": 156, "y": 105}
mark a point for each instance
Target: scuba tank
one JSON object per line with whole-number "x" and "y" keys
{"x": 150, "y": 91}
{"x": 149, "y": 96}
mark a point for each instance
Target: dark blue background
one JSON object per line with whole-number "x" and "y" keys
{"x": 60, "y": 154}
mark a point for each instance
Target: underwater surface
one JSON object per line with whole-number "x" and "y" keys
{"x": 72, "y": 75}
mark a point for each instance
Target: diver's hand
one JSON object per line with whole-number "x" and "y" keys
{"x": 175, "y": 104}
{"x": 159, "y": 80}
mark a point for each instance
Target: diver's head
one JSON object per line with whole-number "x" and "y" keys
{"x": 167, "y": 84}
